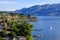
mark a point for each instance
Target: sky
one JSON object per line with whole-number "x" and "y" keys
{"x": 11, "y": 5}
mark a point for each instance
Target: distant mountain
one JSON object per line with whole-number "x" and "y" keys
{"x": 42, "y": 10}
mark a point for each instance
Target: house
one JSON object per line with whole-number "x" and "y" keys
{"x": 5, "y": 38}
{"x": 0, "y": 28}
{"x": 21, "y": 38}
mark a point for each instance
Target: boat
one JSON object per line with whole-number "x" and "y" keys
{"x": 38, "y": 36}
{"x": 51, "y": 27}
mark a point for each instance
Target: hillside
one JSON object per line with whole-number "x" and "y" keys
{"x": 16, "y": 17}
{"x": 41, "y": 10}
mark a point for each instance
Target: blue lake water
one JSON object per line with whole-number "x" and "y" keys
{"x": 44, "y": 23}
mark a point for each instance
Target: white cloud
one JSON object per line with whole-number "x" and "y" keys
{"x": 8, "y": 9}
{"x": 8, "y": 2}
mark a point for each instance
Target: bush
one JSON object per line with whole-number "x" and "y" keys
{"x": 0, "y": 38}
{"x": 29, "y": 37}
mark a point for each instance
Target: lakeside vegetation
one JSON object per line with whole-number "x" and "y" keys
{"x": 14, "y": 25}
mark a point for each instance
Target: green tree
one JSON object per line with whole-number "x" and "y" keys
{"x": 12, "y": 35}
{"x": 25, "y": 30}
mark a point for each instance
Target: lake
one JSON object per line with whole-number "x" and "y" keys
{"x": 44, "y": 23}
